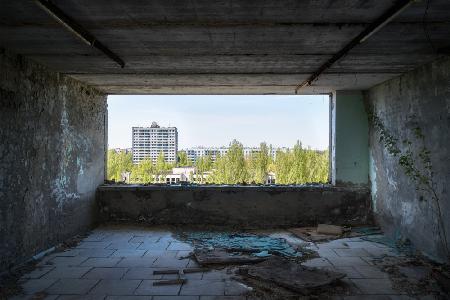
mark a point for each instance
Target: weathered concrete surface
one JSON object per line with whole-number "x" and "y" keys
{"x": 255, "y": 207}
{"x": 52, "y": 145}
{"x": 170, "y": 48}
{"x": 350, "y": 134}
{"x": 417, "y": 99}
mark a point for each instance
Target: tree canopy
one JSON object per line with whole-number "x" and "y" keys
{"x": 297, "y": 165}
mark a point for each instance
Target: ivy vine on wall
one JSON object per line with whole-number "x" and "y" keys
{"x": 416, "y": 163}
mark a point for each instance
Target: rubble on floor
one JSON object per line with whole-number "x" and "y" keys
{"x": 223, "y": 257}
{"x": 400, "y": 245}
{"x": 325, "y": 232}
{"x": 291, "y": 275}
{"x": 143, "y": 262}
{"x": 252, "y": 244}
{"x": 416, "y": 275}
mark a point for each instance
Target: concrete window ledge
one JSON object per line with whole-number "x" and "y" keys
{"x": 242, "y": 206}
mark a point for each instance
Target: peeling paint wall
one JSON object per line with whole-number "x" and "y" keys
{"x": 419, "y": 98}
{"x": 52, "y": 133}
{"x": 242, "y": 207}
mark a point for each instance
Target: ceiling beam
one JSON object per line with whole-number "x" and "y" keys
{"x": 78, "y": 30}
{"x": 371, "y": 29}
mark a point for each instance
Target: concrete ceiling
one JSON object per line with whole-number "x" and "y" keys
{"x": 227, "y": 47}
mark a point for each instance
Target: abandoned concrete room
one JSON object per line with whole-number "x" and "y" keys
{"x": 378, "y": 229}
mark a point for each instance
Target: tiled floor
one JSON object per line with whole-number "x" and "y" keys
{"x": 118, "y": 263}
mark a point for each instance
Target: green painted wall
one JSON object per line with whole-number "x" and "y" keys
{"x": 350, "y": 139}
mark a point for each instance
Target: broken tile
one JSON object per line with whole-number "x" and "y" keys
{"x": 166, "y": 262}
{"x": 203, "y": 287}
{"x": 147, "y": 288}
{"x": 374, "y": 286}
{"x": 180, "y": 246}
{"x": 351, "y": 252}
{"x": 347, "y": 261}
{"x": 371, "y": 272}
{"x": 317, "y": 262}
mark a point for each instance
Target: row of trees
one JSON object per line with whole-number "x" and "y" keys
{"x": 296, "y": 166}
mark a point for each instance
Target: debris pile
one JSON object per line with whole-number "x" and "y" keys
{"x": 263, "y": 260}
{"x": 222, "y": 257}
{"x": 180, "y": 274}
{"x": 291, "y": 275}
{"x": 416, "y": 275}
{"x": 241, "y": 243}
{"x": 325, "y": 232}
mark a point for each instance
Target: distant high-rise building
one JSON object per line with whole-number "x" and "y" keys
{"x": 149, "y": 142}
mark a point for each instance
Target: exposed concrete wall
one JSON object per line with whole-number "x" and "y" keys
{"x": 350, "y": 134}
{"x": 241, "y": 207}
{"x": 419, "y": 98}
{"x": 52, "y": 137}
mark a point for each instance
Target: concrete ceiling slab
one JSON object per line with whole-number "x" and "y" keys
{"x": 227, "y": 47}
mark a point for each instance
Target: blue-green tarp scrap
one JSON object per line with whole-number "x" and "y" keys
{"x": 257, "y": 245}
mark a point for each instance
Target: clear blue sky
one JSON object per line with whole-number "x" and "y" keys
{"x": 216, "y": 120}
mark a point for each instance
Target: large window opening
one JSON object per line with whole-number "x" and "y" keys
{"x": 215, "y": 139}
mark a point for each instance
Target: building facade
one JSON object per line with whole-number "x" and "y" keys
{"x": 149, "y": 142}
{"x": 195, "y": 152}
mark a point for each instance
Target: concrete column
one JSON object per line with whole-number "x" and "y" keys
{"x": 349, "y": 139}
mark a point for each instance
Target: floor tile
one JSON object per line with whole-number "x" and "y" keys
{"x": 141, "y": 273}
{"x": 203, "y": 287}
{"x": 374, "y": 286}
{"x": 105, "y": 273}
{"x": 123, "y": 246}
{"x": 355, "y": 252}
{"x": 347, "y": 261}
{"x": 38, "y": 272}
{"x": 175, "y": 298}
{"x": 32, "y": 286}
{"x": 167, "y": 262}
{"x": 136, "y": 262}
{"x": 371, "y": 272}
{"x": 81, "y": 297}
{"x": 72, "y": 286}
{"x": 67, "y": 272}
{"x": 101, "y": 262}
{"x": 180, "y": 246}
{"x": 68, "y": 261}
{"x": 134, "y": 297}
{"x": 317, "y": 262}
{"x": 147, "y": 288}
{"x": 128, "y": 253}
{"x": 115, "y": 287}
{"x": 93, "y": 245}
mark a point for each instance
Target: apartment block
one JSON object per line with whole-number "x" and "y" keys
{"x": 149, "y": 142}
{"x": 195, "y": 152}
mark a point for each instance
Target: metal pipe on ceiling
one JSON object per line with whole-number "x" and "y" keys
{"x": 371, "y": 29}
{"x": 78, "y": 30}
